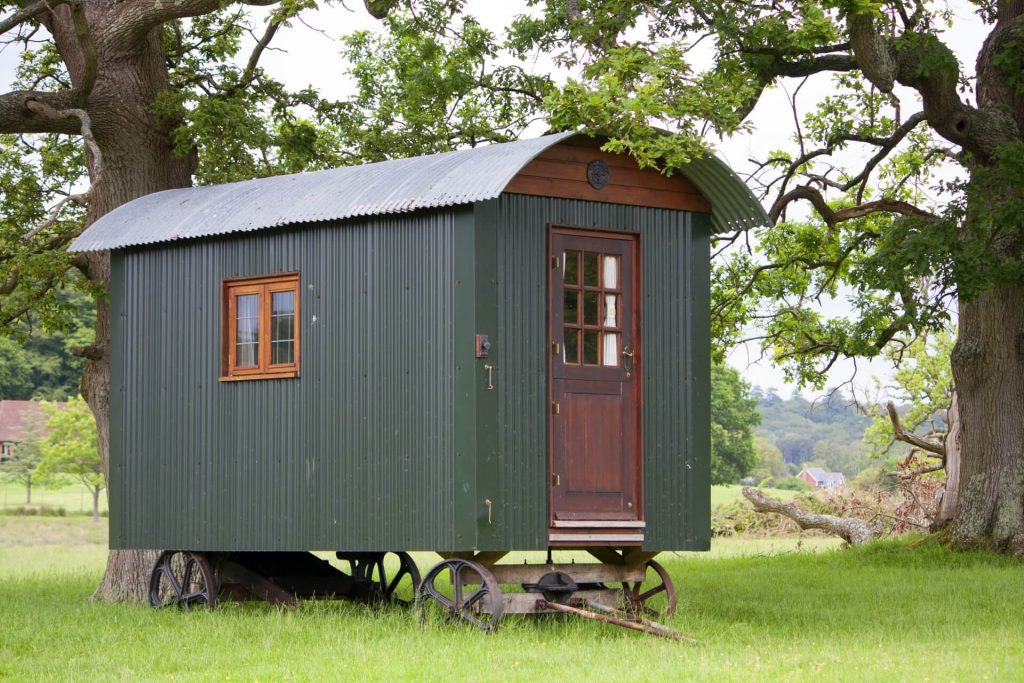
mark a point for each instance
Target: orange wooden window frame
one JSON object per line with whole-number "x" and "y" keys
{"x": 264, "y": 287}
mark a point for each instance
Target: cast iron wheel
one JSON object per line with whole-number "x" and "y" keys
{"x": 370, "y": 569}
{"x": 183, "y": 579}
{"x": 481, "y": 606}
{"x": 637, "y": 600}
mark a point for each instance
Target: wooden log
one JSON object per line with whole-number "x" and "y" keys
{"x": 853, "y": 531}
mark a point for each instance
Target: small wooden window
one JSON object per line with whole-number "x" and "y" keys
{"x": 261, "y": 328}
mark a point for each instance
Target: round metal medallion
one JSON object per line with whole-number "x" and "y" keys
{"x": 597, "y": 174}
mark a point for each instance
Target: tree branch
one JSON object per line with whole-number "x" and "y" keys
{"x": 89, "y": 60}
{"x": 854, "y": 531}
{"x": 909, "y": 437}
{"x": 29, "y": 12}
{"x": 886, "y": 60}
{"x": 261, "y": 45}
{"x": 134, "y": 22}
{"x": 16, "y": 117}
{"x": 85, "y": 128}
{"x": 832, "y": 217}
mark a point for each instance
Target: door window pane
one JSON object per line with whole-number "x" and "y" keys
{"x": 610, "y": 272}
{"x": 571, "y": 346}
{"x": 247, "y": 326}
{"x": 611, "y": 350}
{"x": 590, "y": 269}
{"x": 590, "y": 344}
{"x": 572, "y": 308}
{"x": 590, "y": 308}
{"x": 611, "y": 304}
{"x": 570, "y": 260}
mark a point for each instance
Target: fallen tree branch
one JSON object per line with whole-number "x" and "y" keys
{"x": 903, "y": 435}
{"x": 853, "y": 531}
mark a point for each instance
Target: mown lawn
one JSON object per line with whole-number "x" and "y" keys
{"x": 762, "y": 610}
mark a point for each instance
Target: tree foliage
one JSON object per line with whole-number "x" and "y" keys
{"x": 70, "y": 450}
{"x": 733, "y": 418}
{"x": 922, "y": 387}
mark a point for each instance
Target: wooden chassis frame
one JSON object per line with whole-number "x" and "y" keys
{"x": 585, "y": 539}
{"x": 260, "y": 284}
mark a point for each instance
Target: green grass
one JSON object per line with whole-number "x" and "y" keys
{"x": 887, "y": 612}
{"x": 75, "y": 498}
{"x": 727, "y": 493}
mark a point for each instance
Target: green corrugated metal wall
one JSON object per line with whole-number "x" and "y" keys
{"x": 389, "y": 440}
{"x": 356, "y": 453}
{"x": 676, "y": 344}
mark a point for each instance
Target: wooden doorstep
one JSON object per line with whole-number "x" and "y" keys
{"x": 611, "y": 537}
{"x": 598, "y": 524}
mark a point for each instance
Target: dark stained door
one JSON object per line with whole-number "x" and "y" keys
{"x": 595, "y": 407}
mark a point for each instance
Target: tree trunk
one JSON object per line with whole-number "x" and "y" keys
{"x": 95, "y": 503}
{"x": 948, "y": 502}
{"x": 28, "y": 491}
{"x": 127, "y": 575}
{"x": 988, "y": 370}
{"x": 138, "y": 159}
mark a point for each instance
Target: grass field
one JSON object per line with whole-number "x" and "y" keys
{"x": 762, "y": 611}
{"x": 75, "y": 498}
{"x": 727, "y": 493}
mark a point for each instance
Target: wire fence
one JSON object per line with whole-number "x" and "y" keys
{"x": 74, "y": 499}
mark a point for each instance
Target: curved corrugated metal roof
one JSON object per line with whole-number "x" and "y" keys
{"x": 400, "y": 185}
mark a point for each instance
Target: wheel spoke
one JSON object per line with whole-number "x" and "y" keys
{"x": 476, "y": 596}
{"x": 651, "y": 593}
{"x": 171, "y": 579}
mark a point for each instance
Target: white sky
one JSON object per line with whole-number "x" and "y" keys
{"x": 308, "y": 54}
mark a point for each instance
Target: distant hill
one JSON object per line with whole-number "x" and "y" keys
{"x": 827, "y": 433}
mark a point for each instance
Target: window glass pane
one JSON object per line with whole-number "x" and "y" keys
{"x": 589, "y": 308}
{"x": 590, "y": 269}
{"x": 570, "y": 259}
{"x": 247, "y": 330}
{"x": 611, "y": 313}
{"x": 282, "y": 303}
{"x": 610, "y": 272}
{"x": 571, "y": 346}
{"x": 282, "y": 352}
{"x": 610, "y": 354}
{"x": 590, "y": 347}
{"x": 572, "y": 308}
{"x": 282, "y": 328}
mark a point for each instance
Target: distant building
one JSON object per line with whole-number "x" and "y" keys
{"x": 820, "y": 480}
{"x": 19, "y": 421}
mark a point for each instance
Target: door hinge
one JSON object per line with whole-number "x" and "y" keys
{"x": 555, "y": 408}
{"x": 556, "y": 348}
{"x": 556, "y": 480}
{"x": 554, "y": 263}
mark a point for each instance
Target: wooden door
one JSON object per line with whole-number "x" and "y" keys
{"x": 595, "y": 364}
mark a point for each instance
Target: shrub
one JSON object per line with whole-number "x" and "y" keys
{"x": 37, "y": 511}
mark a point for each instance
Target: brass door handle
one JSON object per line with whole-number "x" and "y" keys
{"x": 490, "y": 369}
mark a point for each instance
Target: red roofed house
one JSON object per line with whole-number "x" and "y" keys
{"x": 19, "y": 421}
{"x": 819, "y": 479}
